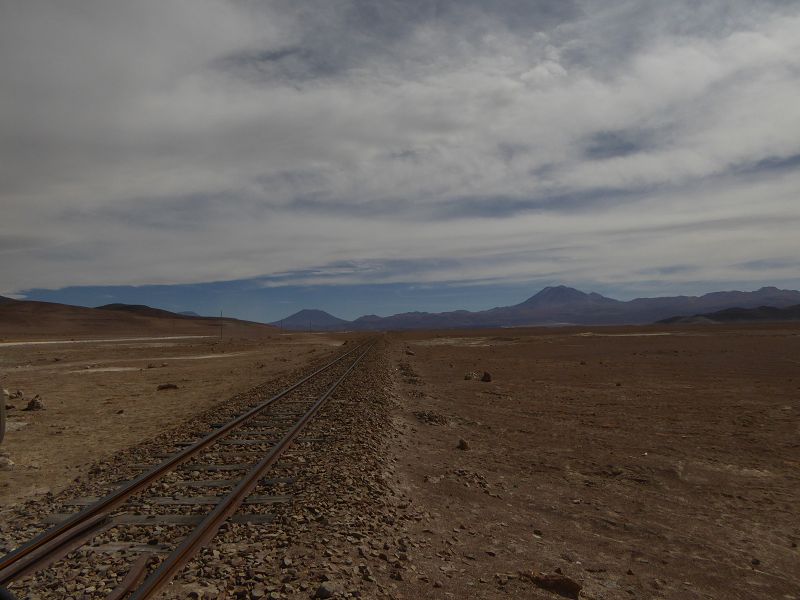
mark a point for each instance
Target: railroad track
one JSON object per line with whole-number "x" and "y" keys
{"x": 192, "y": 493}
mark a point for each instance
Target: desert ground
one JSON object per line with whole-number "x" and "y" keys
{"x": 641, "y": 462}
{"x": 102, "y": 396}
{"x": 638, "y": 462}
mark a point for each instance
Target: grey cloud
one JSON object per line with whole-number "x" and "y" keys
{"x": 14, "y": 242}
{"x": 508, "y": 152}
{"x": 669, "y": 270}
{"x": 610, "y": 144}
{"x": 613, "y": 31}
{"x": 183, "y": 213}
{"x": 424, "y": 268}
{"x": 711, "y": 226}
{"x": 246, "y": 138}
{"x": 329, "y": 37}
{"x": 564, "y": 203}
{"x": 769, "y": 164}
{"x": 771, "y": 263}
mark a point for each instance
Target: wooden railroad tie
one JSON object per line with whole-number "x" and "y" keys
{"x": 185, "y": 500}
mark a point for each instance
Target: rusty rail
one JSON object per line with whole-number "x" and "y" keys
{"x": 208, "y": 528}
{"x": 40, "y": 550}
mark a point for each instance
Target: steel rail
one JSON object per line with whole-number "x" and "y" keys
{"x": 61, "y": 545}
{"x": 132, "y": 579}
{"x": 209, "y": 526}
{"x": 10, "y": 565}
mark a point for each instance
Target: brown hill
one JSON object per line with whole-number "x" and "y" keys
{"x": 44, "y": 320}
{"x": 143, "y": 310}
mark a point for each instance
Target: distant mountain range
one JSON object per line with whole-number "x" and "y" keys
{"x": 741, "y": 315}
{"x": 312, "y": 320}
{"x": 558, "y": 305}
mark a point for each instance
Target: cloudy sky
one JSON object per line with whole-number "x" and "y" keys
{"x": 431, "y": 153}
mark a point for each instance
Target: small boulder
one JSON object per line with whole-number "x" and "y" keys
{"x": 486, "y": 376}
{"x": 430, "y": 417}
{"x": 35, "y": 403}
{"x": 558, "y": 584}
{"x": 203, "y": 592}
{"x": 328, "y": 589}
{"x": 462, "y": 444}
{"x": 167, "y": 386}
{"x": 5, "y": 462}
{"x": 410, "y": 352}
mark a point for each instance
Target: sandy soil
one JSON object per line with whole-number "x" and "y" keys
{"x": 641, "y": 463}
{"x": 101, "y": 396}
{"x": 636, "y": 462}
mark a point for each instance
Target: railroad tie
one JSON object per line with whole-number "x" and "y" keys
{"x": 213, "y": 467}
{"x": 273, "y": 422}
{"x": 185, "y": 500}
{"x": 230, "y": 482}
{"x": 256, "y": 442}
{"x": 189, "y": 520}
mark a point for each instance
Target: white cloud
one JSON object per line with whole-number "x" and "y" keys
{"x": 174, "y": 142}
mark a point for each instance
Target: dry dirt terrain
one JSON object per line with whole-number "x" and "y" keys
{"x": 639, "y": 462}
{"x": 31, "y": 321}
{"x": 102, "y": 396}
{"x": 604, "y": 463}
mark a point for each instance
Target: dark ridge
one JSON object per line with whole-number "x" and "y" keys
{"x": 144, "y": 310}
{"x": 740, "y": 315}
